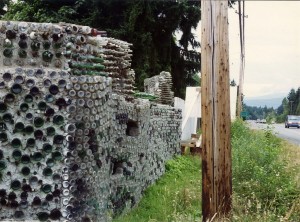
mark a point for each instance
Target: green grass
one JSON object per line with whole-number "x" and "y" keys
{"x": 176, "y": 195}
{"x": 266, "y": 183}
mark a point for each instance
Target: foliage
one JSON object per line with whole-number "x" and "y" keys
{"x": 174, "y": 197}
{"x": 290, "y": 105}
{"x": 149, "y": 25}
{"x": 259, "y": 112}
{"x": 264, "y": 183}
{"x": 3, "y": 3}
{"x": 260, "y": 176}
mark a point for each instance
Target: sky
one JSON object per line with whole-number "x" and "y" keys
{"x": 272, "y": 47}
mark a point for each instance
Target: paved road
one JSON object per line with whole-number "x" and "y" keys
{"x": 291, "y": 134}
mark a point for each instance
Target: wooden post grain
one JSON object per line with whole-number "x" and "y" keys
{"x": 215, "y": 97}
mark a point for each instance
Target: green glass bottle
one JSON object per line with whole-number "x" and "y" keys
{"x": 57, "y": 156}
{"x": 7, "y": 117}
{"x": 47, "y": 56}
{"x": 24, "y": 107}
{"x": 25, "y": 159}
{"x": 42, "y": 106}
{"x": 28, "y": 129}
{"x": 47, "y": 148}
{"x": 25, "y": 171}
{"x": 46, "y": 188}
{"x": 47, "y": 172}
{"x": 19, "y": 127}
{"x": 3, "y": 107}
{"x": 22, "y": 53}
{"x": 17, "y": 154}
{"x": 43, "y": 216}
{"x": 3, "y": 137}
{"x": 37, "y": 156}
{"x": 15, "y": 185}
{"x": 50, "y": 162}
{"x": 30, "y": 142}
{"x": 2, "y": 165}
{"x": 50, "y": 131}
{"x": 16, "y": 143}
{"x": 28, "y": 98}
{"x": 35, "y": 45}
{"x": 8, "y": 52}
{"x": 46, "y": 45}
{"x": 58, "y": 119}
{"x": 38, "y": 122}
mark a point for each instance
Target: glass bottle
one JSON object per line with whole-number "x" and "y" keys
{"x": 46, "y": 188}
{"x": 16, "y": 143}
{"x": 24, "y": 107}
{"x": 47, "y": 148}
{"x": 15, "y": 185}
{"x": 38, "y": 122}
{"x": 25, "y": 171}
{"x": 46, "y": 45}
{"x": 47, "y": 56}
{"x": 8, "y": 52}
{"x": 25, "y": 159}
{"x": 49, "y": 98}
{"x": 9, "y": 98}
{"x": 35, "y": 45}
{"x": 38, "y": 134}
{"x": 37, "y": 156}
{"x": 50, "y": 162}
{"x": 34, "y": 91}
{"x": 16, "y": 88}
{"x": 30, "y": 142}
{"x": 22, "y": 53}
{"x": 19, "y": 127}
{"x": 53, "y": 89}
{"x": 23, "y": 44}
{"x": 17, "y": 154}
{"x": 49, "y": 112}
{"x": 58, "y": 119}
{"x": 2, "y": 165}
{"x": 57, "y": 156}
{"x": 47, "y": 172}
{"x": 55, "y": 214}
{"x": 3, "y": 107}
{"x": 28, "y": 129}
{"x": 36, "y": 200}
{"x": 28, "y": 98}
{"x": 23, "y": 36}
{"x": 7, "y": 77}
{"x": 43, "y": 216}
{"x": 19, "y": 214}
{"x": 11, "y": 34}
{"x": 50, "y": 131}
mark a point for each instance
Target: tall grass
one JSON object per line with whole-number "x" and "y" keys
{"x": 265, "y": 188}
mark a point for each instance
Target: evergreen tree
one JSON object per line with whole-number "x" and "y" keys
{"x": 149, "y": 25}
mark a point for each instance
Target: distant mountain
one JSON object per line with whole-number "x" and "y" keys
{"x": 262, "y": 102}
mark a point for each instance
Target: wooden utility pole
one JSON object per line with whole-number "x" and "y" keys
{"x": 215, "y": 97}
{"x": 242, "y": 64}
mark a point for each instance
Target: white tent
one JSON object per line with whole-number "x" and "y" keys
{"x": 191, "y": 109}
{"x": 191, "y": 112}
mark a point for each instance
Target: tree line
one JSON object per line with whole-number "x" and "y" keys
{"x": 290, "y": 105}
{"x": 151, "y": 27}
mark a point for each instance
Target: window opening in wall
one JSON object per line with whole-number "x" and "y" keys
{"x": 132, "y": 128}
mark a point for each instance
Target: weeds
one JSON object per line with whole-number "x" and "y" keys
{"x": 266, "y": 183}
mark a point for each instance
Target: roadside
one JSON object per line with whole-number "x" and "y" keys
{"x": 266, "y": 183}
